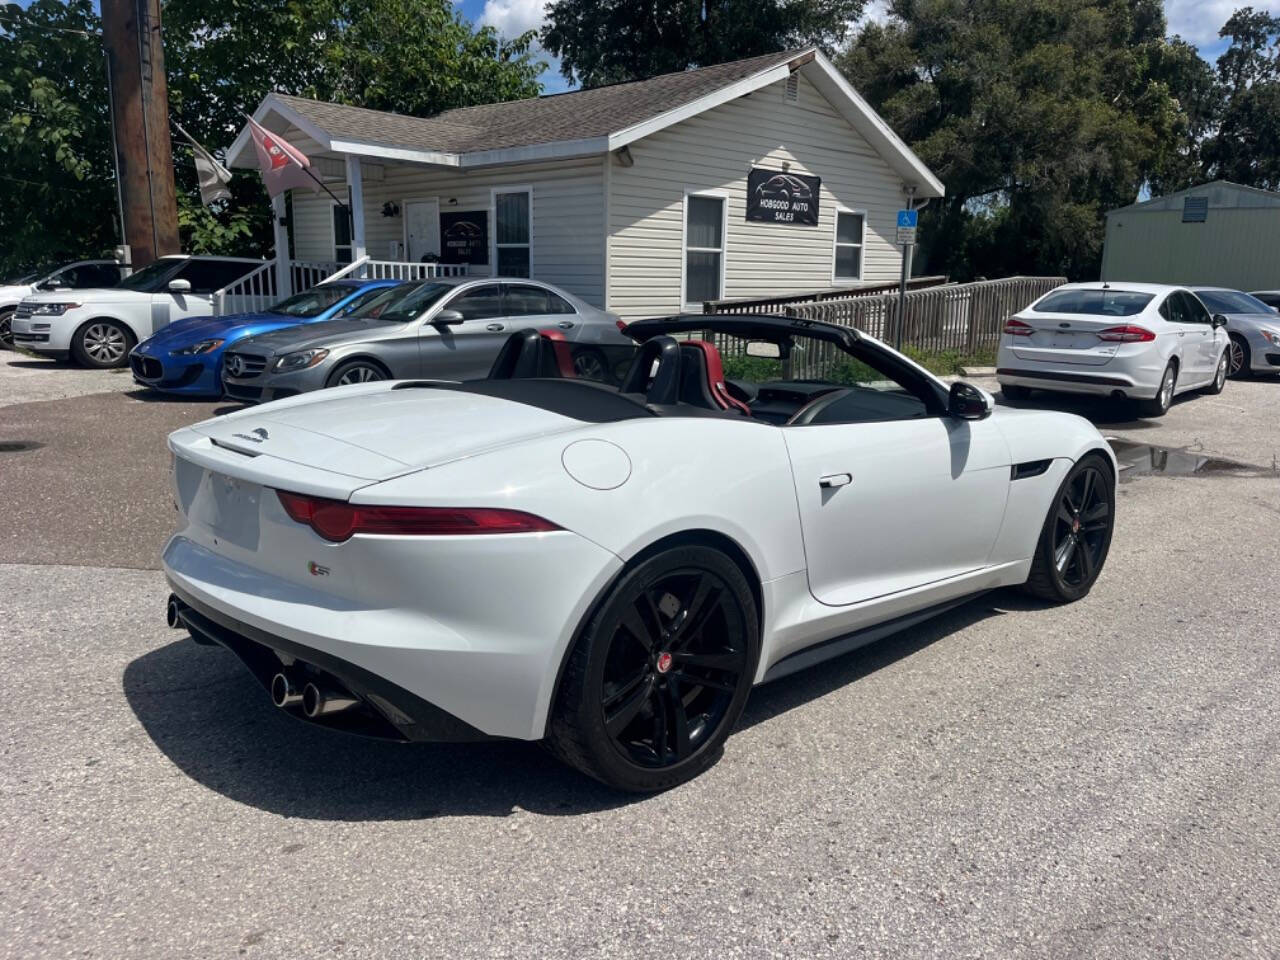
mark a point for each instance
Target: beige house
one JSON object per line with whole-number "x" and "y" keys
{"x": 749, "y": 179}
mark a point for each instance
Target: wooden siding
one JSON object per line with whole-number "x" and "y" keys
{"x": 714, "y": 151}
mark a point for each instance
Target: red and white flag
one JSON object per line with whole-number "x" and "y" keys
{"x": 281, "y": 163}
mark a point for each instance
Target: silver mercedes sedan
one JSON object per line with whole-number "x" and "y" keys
{"x": 1254, "y": 328}
{"x": 443, "y": 329}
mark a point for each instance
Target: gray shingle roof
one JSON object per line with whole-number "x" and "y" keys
{"x": 580, "y": 115}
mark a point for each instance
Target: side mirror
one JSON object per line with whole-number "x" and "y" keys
{"x": 1219, "y": 321}
{"x": 448, "y": 318}
{"x": 967, "y": 402}
{"x": 179, "y": 286}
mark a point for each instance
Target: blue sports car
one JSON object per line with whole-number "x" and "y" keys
{"x": 186, "y": 356}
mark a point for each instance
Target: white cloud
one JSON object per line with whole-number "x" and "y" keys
{"x": 1198, "y": 21}
{"x": 513, "y": 17}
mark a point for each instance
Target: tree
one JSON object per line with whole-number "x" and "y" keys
{"x": 57, "y": 177}
{"x": 57, "y": 190}
{"x": 1246, "y": 146}
{"x": 1038, "y": 116}
{"x": 609, "y": 41}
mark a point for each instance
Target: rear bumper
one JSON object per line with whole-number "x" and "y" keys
{"x": 474, "y": 630}
{"x": 392, "y": 711}
{"x": 1095, "y": 383}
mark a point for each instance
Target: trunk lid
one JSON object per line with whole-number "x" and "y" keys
{"x": 1070, "y": 338}
{"x": 377, "y": 432}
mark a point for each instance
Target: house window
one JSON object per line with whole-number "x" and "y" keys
{"x": 703, "y": 248}
{"x": 850, "y": 227}
{"x": 341, "y": 234}
{"x": 513, "y": 232}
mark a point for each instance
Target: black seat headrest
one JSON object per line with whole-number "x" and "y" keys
{"x": 655, "y": 371}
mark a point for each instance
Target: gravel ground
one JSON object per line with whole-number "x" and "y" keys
{"x": 26, "y": 378}
{"x": 1098, "y": 780}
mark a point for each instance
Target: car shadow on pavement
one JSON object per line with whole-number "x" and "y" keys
{"x": 772, "y": 699}
{"x": 207, "y": 715}
{"x": 1102, "y": 412}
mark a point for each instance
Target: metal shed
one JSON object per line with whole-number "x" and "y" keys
{"x": 1217, "y": 234}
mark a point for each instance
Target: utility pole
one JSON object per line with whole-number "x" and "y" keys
{"x": 140, "y": 110}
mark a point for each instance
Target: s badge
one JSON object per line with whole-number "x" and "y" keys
{"x": 316, "y": 570}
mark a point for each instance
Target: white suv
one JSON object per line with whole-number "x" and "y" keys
{"x": 68, "y": 276}
{"x": 100, "y": 326}
{"x": 1144, "y": 341}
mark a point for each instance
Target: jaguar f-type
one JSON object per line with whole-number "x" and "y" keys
{"x": 611, "y": 569}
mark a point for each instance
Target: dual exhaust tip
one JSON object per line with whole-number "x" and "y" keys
{"x": 312, "y": 699}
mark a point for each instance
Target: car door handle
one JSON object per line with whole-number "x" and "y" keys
{"x": 495, "y": 327}
{"x": 835, "y": 480}
{"x": 565, "y": 324}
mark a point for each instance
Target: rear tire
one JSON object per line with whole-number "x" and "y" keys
{"x": 659, "y": 676}
{"x": 1014, "y": 393}
{"x": 102, "y": 344}
{"x": 1159, "y": 405}
{"x": 1219, "y": 375}
{"x": 1076, "y": 536}
{"x": 1239, "y": 359}
{"x": 356, "y": 371}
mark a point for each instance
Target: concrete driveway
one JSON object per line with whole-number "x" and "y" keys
{"x": 1098, "y": 780}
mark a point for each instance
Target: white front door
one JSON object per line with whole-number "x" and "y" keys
{"x": 422, "y": 228}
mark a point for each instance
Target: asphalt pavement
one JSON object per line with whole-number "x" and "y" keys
{"x": 1010, "y": 780}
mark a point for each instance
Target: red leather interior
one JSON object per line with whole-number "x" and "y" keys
{"x": 564, "y": 356}
{"x": 715, "y": 376}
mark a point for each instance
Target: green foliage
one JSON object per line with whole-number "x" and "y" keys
{"x": 751, "y": 369}
{"x": 57, "y": 186}
{"x": 609, "y": 41}
{"x": 1038, "y": 115}
{"x": 1246, "y": 146}
{"x": 946, "y": 363}
{"x": 57, "y": 180}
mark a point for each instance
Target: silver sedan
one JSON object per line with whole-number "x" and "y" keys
{"x": 444, "y": 329}
{"x": 1254, "y": 328}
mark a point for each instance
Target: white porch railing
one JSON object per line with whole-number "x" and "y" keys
{"x": 254, "y": 291}
{"x": 305, "y": 274}
{"x": 257, "y": 290}
{"x": 366, "y": 268}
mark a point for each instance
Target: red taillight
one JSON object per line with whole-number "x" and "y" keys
{"x": 621, "y": 324}
{"x": 337, "y": 520}
{"x": 1017, "y": 328}
{"x": 1126, "y": 334}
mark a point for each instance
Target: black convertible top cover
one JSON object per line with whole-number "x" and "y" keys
{"x": 753, "y": 326}
{"x": 577, "y": 399}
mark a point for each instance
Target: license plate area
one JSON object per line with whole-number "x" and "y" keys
{"x": 228, "y": 508}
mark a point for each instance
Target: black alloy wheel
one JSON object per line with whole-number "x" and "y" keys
{"x": 6, "y": 329}
{"x": 661, "y": 673}
{"x": 1077, "y": 533}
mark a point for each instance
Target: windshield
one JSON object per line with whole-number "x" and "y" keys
{"x": 153, "y": 276}
{"x": 313, "y": 302}
{"x": 1103, "y": 303}
{"x": 403, "y": 303}
{"x": 39, "y": 273}
{"x": 1232, "y": 301}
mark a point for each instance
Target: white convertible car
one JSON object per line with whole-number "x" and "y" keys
{"x": 612, "y": 569}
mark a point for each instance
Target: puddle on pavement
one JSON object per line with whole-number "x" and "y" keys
{"x": 18, "y": 446}
{"x": 1141, "y": 460}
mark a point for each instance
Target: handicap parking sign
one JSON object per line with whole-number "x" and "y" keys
{"x": 907, "y": 226}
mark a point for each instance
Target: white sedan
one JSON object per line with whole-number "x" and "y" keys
{"x": 612, "y": 569}
{"x": 1142, "y": 341}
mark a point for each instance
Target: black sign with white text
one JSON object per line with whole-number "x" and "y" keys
{"x": 464, "y": 237}
{"x": 777, "y": 197}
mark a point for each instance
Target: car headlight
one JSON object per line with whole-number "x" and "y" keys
{"x": 51, "y": 309}
{"x": 204, "y": 346}
{"x": 300, "y": 360}
{"x": 1271, "y": 336}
